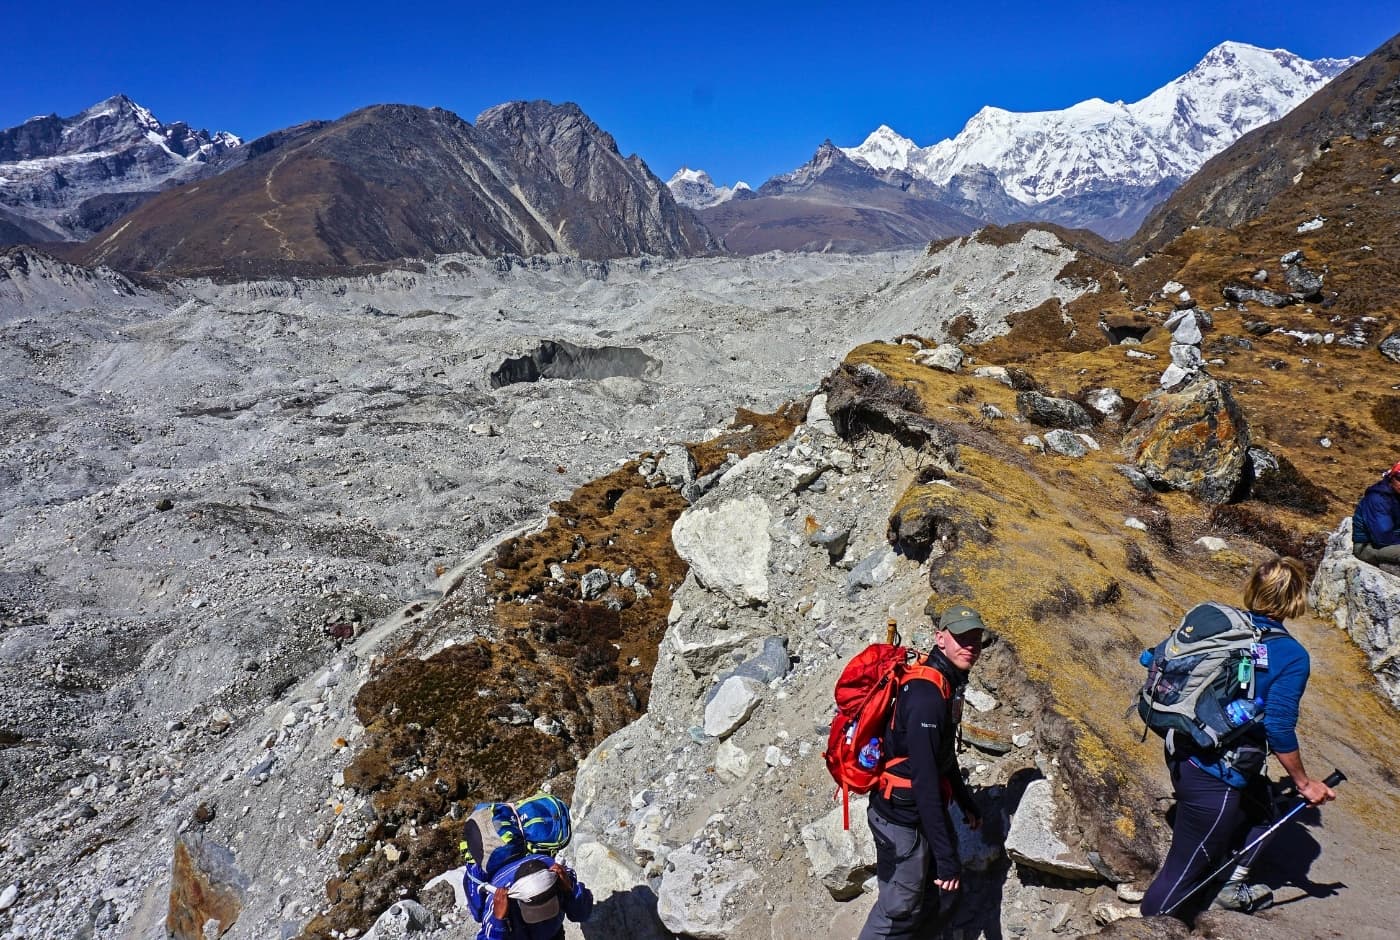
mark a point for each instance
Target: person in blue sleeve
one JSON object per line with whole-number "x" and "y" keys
{"x": 916, "y": 848}
{"x": 1375, "y": 526}
{"x": 526, "y": 900}
{"x": 1217, "y": 795}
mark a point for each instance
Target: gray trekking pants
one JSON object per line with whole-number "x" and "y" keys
{"x": 1368, "y": 553}
{"x": 908, "y": 907}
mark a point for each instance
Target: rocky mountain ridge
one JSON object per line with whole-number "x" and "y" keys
{"x": 1095, "y": 165}
{"x": 63, "y": 179}
{"x": 1062, "y": 165}
{"x": 695, "y": 188}
{"x": 391, "y": 183}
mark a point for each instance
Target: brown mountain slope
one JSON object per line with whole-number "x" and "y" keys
{"x": 1236, "y": 185}
{"x": 391, "y": 182}
{"x": 832, "y": 204}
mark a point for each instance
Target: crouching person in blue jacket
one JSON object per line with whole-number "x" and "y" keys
{"x": 527, "y": 900}
{"x": 1375, "y": 526}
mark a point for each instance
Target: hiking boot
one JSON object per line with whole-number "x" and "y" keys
{"x": 1243, "y": 897}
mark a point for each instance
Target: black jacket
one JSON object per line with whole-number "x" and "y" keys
{"x": 925, "y": 731}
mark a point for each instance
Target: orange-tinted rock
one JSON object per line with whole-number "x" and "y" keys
{"x": 1193, "y": 439}
{"x": 205, "y": 885}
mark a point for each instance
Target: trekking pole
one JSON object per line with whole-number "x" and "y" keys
{"x": 1332, "y": 780}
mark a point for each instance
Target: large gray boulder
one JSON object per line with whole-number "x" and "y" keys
{"x": 401, "y": 919}
{"x": 1390, "y": 347}
{"x": 1053, "y": 412}
{"x": 1034, "y": 838}
{"x": 727, "y": 548}
{"x": 695, "y": 893}
{"x": 1365, "y": 602}
{"x": 843, "y": 859}
{"x": 1193, "y": 438}
{"x": 732, "y": 704}
{"x": 623, "y": 903}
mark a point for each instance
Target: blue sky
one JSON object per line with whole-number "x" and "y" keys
{"x": 741, "y": 90}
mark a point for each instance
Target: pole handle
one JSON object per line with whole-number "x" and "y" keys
{"x": 892, "y": 631}
{"x": 1334, "y": 778}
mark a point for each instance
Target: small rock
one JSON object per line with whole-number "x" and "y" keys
{"x": 1109, "y": 913}
{"x": 1133, "y": 522}
{"x": 1034, "y": 443}
{"x": 219, "y": 721}
{"x": 1390, "y": 347}
{"x": 1065, "y": 443}
{"x": 8, "y": 897}
{"x": 1106, "y": 401}
{"x": 979, "y": 700}
{"x": 731, "y": 706}
{"x": 164, "y": 505}
{"x": 875, "y": 570}
{"x": 1052, "y": 412}
{"x": 1130, "y": 892}
{"x": 731, "y": 761}
{"x": 946, "y": 358}
{"x": 1212, "y": 544}
{"x": 995, "y": 373}
{"x": 594, "y": 584}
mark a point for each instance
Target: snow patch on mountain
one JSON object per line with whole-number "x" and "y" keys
{"x": 1095, "y": 144}
{"x": 67, "y": 176}
{"x": 695, "y": 188}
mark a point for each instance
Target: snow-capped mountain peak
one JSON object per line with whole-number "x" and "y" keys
{"x": 1095, "y": 144}
{"x": 884, "y": 149}
{"x": 695, "y": 188}
{"x": 63, "y": 176}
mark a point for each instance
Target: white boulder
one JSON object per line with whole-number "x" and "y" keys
{"x": 1365, "y": 602}
{"x": 732, "y": 705}
{"x": 842, "y": 859}
{"x": 727, "y": 548}
{"x": 695, "y": 893}
{"x": 1034, "y": 841}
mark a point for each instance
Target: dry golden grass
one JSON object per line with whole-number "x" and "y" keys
{"x": 1059, "y": 538}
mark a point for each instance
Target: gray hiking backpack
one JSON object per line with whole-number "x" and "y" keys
{"x": 1200, "y": 679}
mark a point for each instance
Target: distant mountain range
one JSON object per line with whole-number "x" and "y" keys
{"x": 390, "y": 182}
{"x": 694, "y": 188}
{"x": 64, "y": 179}
{"x": 394, "y": 182}
{"x": 1095, "y": 165}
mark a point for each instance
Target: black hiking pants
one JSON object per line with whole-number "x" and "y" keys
{"x": 1210, "y": 815}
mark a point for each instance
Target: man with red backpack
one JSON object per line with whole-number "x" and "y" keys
{"x": 916, "y": 848}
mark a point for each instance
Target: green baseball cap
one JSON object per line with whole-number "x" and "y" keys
{"x": 959, "y": 620}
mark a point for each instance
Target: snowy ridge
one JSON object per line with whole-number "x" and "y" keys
{"x": 695, "y": 188}
{"x": 1095, "y": 144}
{"x": 57, "y": 168}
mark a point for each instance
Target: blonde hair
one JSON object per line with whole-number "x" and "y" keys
{"x": 1277, "y": 588}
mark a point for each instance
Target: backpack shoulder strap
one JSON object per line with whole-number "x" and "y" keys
{"x": 920, "y": 669}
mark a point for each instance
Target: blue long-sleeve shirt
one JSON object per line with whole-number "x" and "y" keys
{"x": 1376, "y": 521}
{"x": 576, "y": 906}
{"x": 1281, "y": 685}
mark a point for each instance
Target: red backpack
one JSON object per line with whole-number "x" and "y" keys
{"x": 865, "y": 699}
